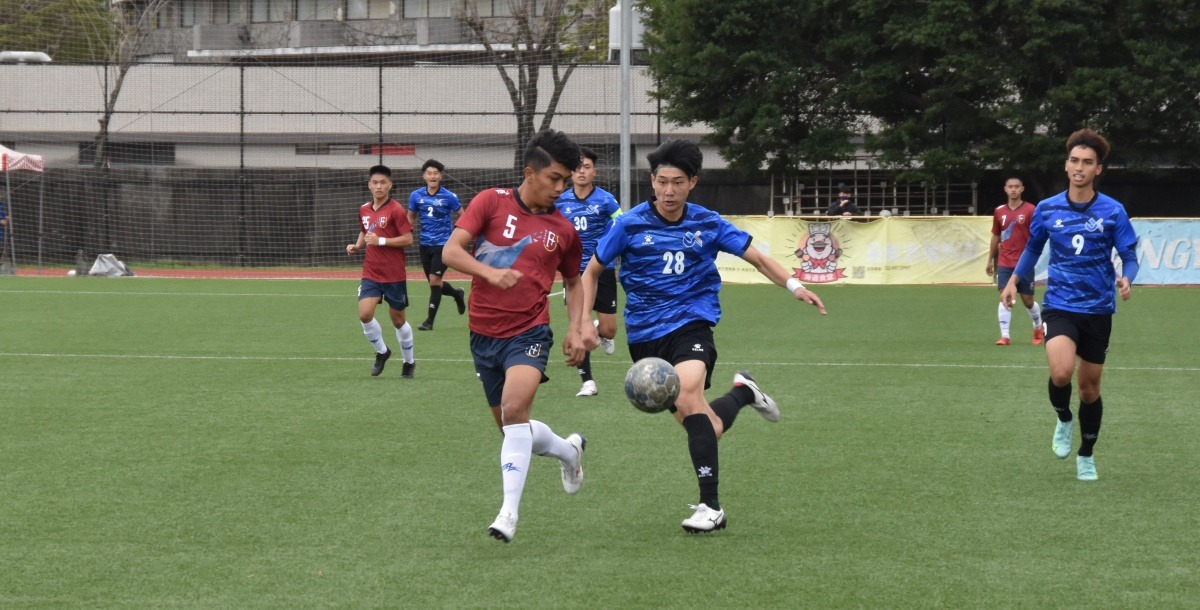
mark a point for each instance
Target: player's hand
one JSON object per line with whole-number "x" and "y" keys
{"x": 1008, "y": 296}
{"x": 590, "y": 337}
{"x": 574, "y": 351}
{"x": 1123, "y": 288}
{"x": 351, "y": 248}
{"x": 805, "y": 295}
{"x": 990, "y": 270}
{"x": 372, "y": 239}
{"x": 504, "y": 278}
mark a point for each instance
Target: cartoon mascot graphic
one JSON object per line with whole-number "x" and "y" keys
{"x": 818, "y": 253}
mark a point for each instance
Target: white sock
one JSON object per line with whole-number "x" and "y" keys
{"x": 515, "y": 453}
{"x": 374, "y": 334}
{"x": 405, "y": 335}
{"x": 1035, "y": 314}
{"x": 1005, "y": 315}
{"x": 546, "y": 442}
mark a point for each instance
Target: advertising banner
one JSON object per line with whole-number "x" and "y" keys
{"x": 893, "y": 250}
{"x": 932, "y": 250}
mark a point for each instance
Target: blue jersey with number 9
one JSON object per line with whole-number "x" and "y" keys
{"x": 1080, "y": 276}
{"x": 669, "y": 269}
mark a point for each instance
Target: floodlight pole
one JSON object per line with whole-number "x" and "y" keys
{"x": 626, "y": 88}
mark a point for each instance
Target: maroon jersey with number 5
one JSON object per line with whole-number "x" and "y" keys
{"x": 510, "y": 236}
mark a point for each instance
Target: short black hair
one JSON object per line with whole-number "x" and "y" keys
{"x": 435, "y": 164}
{"x": 682, "y": 154}
{"x": 587, "y": 153}
{"x": 381, "y": 169}
{"x": 551, "y": 146}
{"x": 1089, "y": 139}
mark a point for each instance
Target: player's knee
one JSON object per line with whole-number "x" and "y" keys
{"x": 365, "y": 318}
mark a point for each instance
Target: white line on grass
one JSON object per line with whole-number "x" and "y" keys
{"x": 910, "y": 365}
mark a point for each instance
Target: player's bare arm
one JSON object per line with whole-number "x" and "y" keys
{"x": 589, "y": 334}
{"x": 573, "y": 346}
{"x": 455, "y": 255}
{"x": 357, "y": 245}
{"x": 993, "y": 252}
{"x": 775, "y": 272}
{"x": 389, "y": 242}
{"x": 1008, "y": 296}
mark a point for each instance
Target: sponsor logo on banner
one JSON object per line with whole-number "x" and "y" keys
{"x": 818, "y": 252}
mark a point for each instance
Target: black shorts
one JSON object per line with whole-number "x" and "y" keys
{"x": 692, "y": 341}
{"x": 431, "y": 260}
{"x": 1089, "y": 331}
{"x": 606, "y": 292}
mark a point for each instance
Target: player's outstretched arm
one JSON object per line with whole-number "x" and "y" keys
{"x": 573, "y": 346}
{"x": 455, "y": 255}
{"x": 775, "y": 272}
{"x": 589, "y": 334}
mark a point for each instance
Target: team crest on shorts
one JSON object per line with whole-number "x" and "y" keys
{"x": 534, "y": 351}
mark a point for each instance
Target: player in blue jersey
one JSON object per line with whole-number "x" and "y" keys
{"x": 592, "y": 209}
{"x": 434, "y": 208}
{"x": 668, "y": 249}
{"x": 1083, "y": 227}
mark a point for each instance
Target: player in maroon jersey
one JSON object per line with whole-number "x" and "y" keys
{"x": 384, "y": 231}
{"x": 1010, "y": 233}
{"x": 521, "y": 241}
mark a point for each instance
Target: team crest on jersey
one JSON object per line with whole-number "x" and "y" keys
{"x": 818, "y": 252}
{"x": 1020, "y": 219}
{"x": 693, "y": 240}
{"x": 1094, "y": 224}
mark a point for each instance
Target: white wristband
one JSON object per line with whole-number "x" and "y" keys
{"x": 382, "y": 240}
{"x": 793, "y": 284}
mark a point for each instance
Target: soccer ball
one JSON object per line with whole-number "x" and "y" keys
{"x": 652, "y": 385}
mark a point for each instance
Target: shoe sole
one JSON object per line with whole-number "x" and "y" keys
{"x": 695, "y": 530}
{"x": 582, "y": 448}
{"x": 498, "y": 535}
{"x": 771, "y": 412}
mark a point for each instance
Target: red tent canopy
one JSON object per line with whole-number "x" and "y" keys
{"x": 11, "y": 161}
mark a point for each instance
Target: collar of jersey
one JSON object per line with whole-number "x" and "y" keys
{"x": 672, "y": 223}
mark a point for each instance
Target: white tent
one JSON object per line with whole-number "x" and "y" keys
{"x": 13, "y": 161}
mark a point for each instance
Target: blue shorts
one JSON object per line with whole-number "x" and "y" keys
{"x": 494, "y": 356}
{"x": 1003, "y": 274}
{"x": 395, "y": 293}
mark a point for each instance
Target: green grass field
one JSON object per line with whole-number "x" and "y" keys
{"x": 207, "y": 443}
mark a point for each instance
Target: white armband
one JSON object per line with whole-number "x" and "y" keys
{"x": 793, "y": 284}
{"x": 382, "y": 240}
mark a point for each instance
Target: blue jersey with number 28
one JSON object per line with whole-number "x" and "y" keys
{"x": 669, "y": 269}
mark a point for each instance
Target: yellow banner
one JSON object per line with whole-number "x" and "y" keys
{"x": 893, "y": 250}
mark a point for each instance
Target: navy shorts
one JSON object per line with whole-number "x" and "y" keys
{"x": 692, "y": 341}
{"x": 494, "y": 356}
{"x": 1003, "y": 274}
{"x": 1089, "y": 331}
{"x": 395, "y": 293}
{"x": 606, "y": 292}
{"x": 431, "y": 260}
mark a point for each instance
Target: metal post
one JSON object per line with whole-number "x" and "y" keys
{"x": 242, "y": 166}
{"x": 626, "y": 94}
{"x": 41, "y": 211}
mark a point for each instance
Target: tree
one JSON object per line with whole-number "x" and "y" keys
{"x": 562, "y": 36}
{"x": 938, "y": 89}
{"x": 49, "y": 26}
{"x": 115, "y": 37}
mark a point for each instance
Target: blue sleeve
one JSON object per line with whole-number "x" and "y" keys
{"x": 612, "y": 244}
{"x": 455, "y": 204}
{"x": 412, "y": 201}
{"x": 732, "y": 239}
{"x": 1033, "y": 248}
{"x": 1125, "y": 242}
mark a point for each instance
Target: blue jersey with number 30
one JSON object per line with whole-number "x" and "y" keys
{"x": 1080, "y": 276}
{"x": 591, "y": 216}
{"x": 669, "y": 269}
